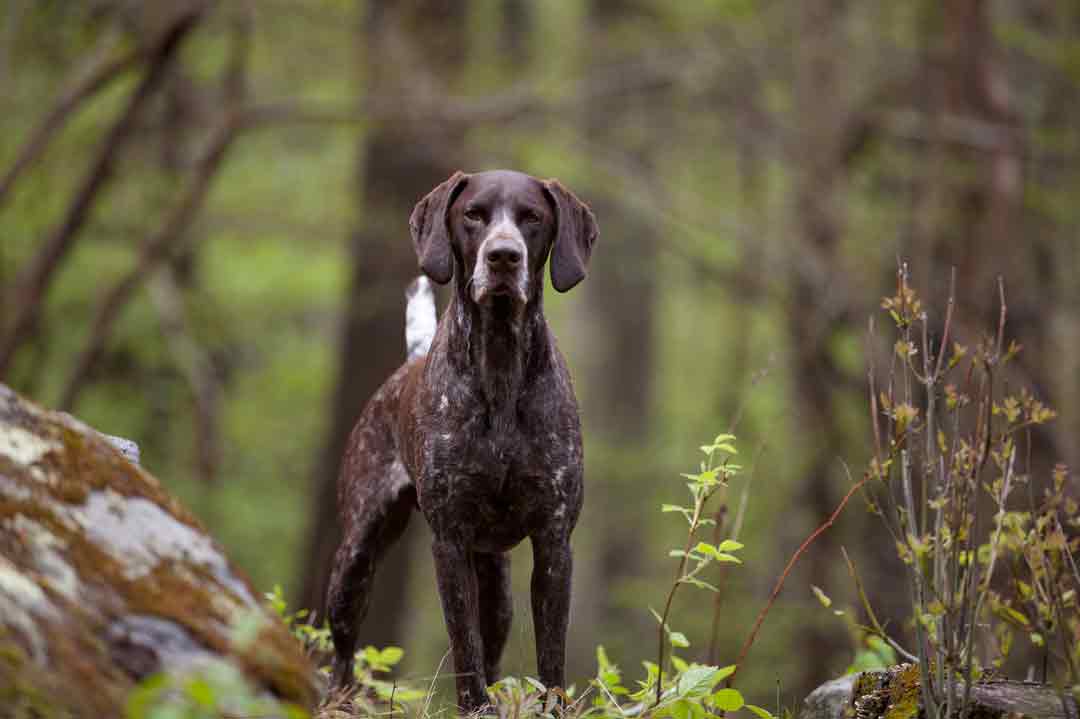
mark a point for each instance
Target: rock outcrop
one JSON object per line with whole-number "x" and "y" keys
{"x": 105, "y": 579}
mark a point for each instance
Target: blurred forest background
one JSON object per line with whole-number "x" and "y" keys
{"x": 204, "y": 247}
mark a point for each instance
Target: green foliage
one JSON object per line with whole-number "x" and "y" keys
{"x": 371, "y": 664}
{"x": 714, "y": 472}
{"x": 315, "y": 639}
{"x": 874, "y": 654}
{"x": 942, "y": 457}
{"x": 692, "y": 690}
{"x": 211, "y": 690}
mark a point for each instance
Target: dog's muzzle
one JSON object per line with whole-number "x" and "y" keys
{"x": 502, "y": 264}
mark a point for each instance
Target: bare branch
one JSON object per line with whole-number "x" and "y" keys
{"x": 198, "y": 371}
{"x": 104, "y": 67}
{"x": 31, "y": 286}
{"x": 787, "y": 571}
{"x": 155, "y": 250}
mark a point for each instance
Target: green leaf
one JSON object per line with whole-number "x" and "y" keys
{"x": 708, "y": 476}
{"x": 725, "y": 557}
{"x": 200, "y": 692}
{"x": 602, "y": 661}
{"x": 391, "y": 655}
{"x": 730, "y": 545}
{"x": 729, "y": 700}
{"x": 700, "y": 584}
{"x": 168, "y": 711}
{"x": 697, "y": 679}
{"x": 144, "y": 696}
{"x": 762, "y": 713}
{"x": 678, "y": 639}
{"x": 293, "y": 711}
{"x": 706, "y": 548}
{"x": 725, "y": 672}
{"x": 821, "y": 596}
{"x": 672, "y": 508}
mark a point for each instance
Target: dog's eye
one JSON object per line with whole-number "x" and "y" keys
{"x": 474, "y": 215}
{"x": 530, "y": 218}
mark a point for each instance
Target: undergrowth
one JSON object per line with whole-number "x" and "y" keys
{"x": 988, "y": 565}
{"x": 669, "y": 687}
{"x": 986, "y": 543}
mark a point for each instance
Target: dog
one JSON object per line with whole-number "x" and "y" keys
{"x": 479, "y": 429}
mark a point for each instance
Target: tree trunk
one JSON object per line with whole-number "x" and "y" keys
{"x": 813, "y": 322}
{"x": 399, "y": 161}
{"x": 615, "y": 381}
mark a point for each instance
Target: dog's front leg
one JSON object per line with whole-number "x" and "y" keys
{"x": 552, "y": 565}
{"x": 458, "y": 594}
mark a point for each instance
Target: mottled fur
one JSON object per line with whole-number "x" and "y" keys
{"x": 481, "y": 434}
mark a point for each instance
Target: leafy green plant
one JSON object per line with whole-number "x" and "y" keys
{"x": 688, "y": 689}
{"x": 371, "y": 665}
{"x": 316, "y": 639}
{"x": 715, "y": 472}
{"x": 213, "y": 689}
{"x": 951, "y": 445}
{"x": 871, "y": 650}
{"x": 670, "y": 687}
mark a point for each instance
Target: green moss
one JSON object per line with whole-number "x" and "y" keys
{"x": 184, "y": 592}
{"x": 904, "y": 693}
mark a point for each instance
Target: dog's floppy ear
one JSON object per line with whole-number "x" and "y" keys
{"x": 429, "y": 226}
{"x": 575, "y": 234}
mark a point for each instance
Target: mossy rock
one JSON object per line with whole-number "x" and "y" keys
{"x": 105, "y": 579}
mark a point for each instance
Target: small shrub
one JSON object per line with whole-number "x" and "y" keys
{"x": 956, "y": 439}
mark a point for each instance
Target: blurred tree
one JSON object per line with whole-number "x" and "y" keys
{"x": 167, "y": 29}
{"x": 616, "y": 381}
{"x": 818, "y": 312}
{"x": 405, "y": 49}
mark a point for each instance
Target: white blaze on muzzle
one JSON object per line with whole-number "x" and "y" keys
{"x": 485, "y": 279}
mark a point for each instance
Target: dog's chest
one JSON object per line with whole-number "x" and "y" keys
{"x": 497, "y": 477}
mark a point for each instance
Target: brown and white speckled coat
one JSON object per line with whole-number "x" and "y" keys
{"x": 481, "y": 433}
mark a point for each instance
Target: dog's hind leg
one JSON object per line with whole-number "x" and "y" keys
{"x": 379, "y": 499}
{"x": 496, "y": 608}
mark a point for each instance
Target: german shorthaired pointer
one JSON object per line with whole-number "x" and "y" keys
{"x": 479, "y": 429}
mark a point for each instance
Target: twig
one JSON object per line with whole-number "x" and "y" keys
{"x": 198, "y": 370}
{"x": 787, "y": 570}
{"x": 874, "y": 623}
{"x": 431, "y": 688}
{"x": 736, "y": 528}
{"x": 30, "y": 287}
{"x": 158, "y": 247}
{"x": 153, "y": 252}
{"x": 103, "y": 68}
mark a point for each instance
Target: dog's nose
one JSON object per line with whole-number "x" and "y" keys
{"x": 503, "y": 256}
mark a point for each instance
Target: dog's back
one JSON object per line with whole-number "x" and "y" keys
{"x": 376, "y": 496}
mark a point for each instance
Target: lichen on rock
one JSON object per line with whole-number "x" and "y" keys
{"x": 105, "y": 578}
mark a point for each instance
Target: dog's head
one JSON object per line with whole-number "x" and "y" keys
{"x": 496, "y": 229}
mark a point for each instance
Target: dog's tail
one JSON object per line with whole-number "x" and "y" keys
{"x": 420, "y": 319}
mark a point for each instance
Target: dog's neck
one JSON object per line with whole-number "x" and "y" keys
{"x": 498, "y": 345}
